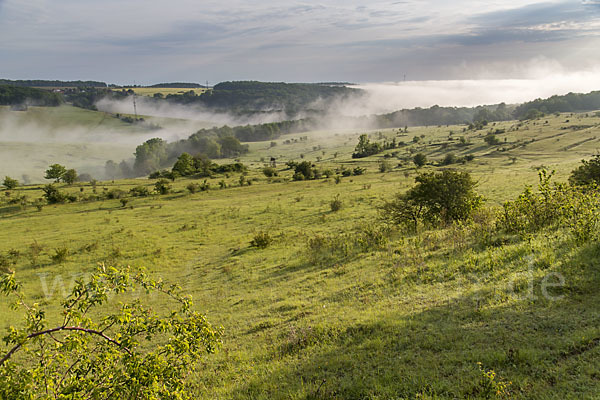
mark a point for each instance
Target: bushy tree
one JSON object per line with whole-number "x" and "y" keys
{"x": 445, "y": 196}
{"x": 56, "y": 172}
{"x": 95, "y": 348}
{"x": 10, "y": 183}
{"x": 420, "y": 159}
{"x": 587, "y": 173}
{"x": 53, "y": 195}
{"x": 162, "y": 186}
{"x": 70, "y": 176}
{"x": 365, "y": 148}
{"x": 184, "y": 165}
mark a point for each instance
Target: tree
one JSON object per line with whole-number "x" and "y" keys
{"x": 102, "y": 349}
{"x": 419, "y": 159}
{"x": 56, "y": 172}
{"x": 162, "y": 186}
{"x": 365, "y": 148}
{"x": 184, "y": 165}
{"x": 70, "y": 176}
{"x": 150, "y": 156}
{"x": 111, "y": 169}
{"x": 53, "y": 195}
{"x": 491, "y": 139}
{"x": 586, "y": 174}
{"x": 445, "y": 196}
{"x": 10, "y": 183}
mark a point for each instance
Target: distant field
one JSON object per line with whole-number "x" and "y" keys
{"x": 165, "y": 91}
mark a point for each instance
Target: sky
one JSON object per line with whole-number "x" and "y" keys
{"x": 152, "y": 41}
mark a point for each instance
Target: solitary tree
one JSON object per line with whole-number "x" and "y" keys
{"x": 56, "y": 172}
{"x": 419, "y": 159}
{"x": 10, "y": 183}
{"x": 445, "y": 196}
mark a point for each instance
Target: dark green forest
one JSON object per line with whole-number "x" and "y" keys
{"x": 53, "y": 84}
{"x": 14, "y": 95}
{"x": 568, "y": 103}
{"x": 253, "y": 95}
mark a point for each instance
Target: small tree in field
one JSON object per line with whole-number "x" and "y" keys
{"x": 445, "y": 196}
{"x": 10, "y": 183}
{"x": 419, "y": 159}
{"x": 56, "y": 172}
{"x": 95, "y": 348}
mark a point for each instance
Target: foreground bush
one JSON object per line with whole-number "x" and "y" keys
{"x": 99, "y": 351}
{"x": 553, "y": 205}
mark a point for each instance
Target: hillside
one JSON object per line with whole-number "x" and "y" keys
{"x": 341, "y": 305}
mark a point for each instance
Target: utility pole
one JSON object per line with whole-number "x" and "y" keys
{"x": 134, "y": 103}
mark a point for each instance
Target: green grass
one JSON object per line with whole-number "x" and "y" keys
{"x": 349, "y": 319}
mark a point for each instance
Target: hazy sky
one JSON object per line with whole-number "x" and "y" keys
{"x": 152, "y": 41}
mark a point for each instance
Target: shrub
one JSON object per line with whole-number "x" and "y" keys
{"x": 60, "y": 255}
{"x": 261, "y": 240}
{"x": 335, "y": 204}
{"x": 365, "y": 148}
{"x": 53, "y": 195}
{"x": 162, "y": 186}
{"x": 419, "y": 159}
{"x": 449, "y": 159}
{"x": 115, "y": 194}
{"x": 10, "y": 183}
{"x": 384, "y": 166}
{"x": 269, "y": 172}
{"x": 139, "y": 191}
{"x": 445, "y": 196}
{"x": 553, "y": 205}
{"x": 193, "y": 188}
{"x": 491, "y": 139}
{"x": 358, "y": 171}
{"x": 586, "y": 174}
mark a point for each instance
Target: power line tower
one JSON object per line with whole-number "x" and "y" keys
{"x": 134, "y": 102}
{"x": 134, "y": 106}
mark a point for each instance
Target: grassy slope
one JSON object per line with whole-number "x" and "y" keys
{"x": 411, "y": 317}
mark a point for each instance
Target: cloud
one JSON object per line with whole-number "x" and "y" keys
{"x": 148, "y": 40}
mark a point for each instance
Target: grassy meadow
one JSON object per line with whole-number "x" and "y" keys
{"x": 341, "y": 305}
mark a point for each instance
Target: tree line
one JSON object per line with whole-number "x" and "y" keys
{"x": 14, "y": 95}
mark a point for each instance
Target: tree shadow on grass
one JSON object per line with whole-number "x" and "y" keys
{"x": 545, "y": 348}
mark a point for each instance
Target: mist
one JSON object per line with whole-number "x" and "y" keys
{"x": 34, "y": 139}
{"x": 543, "y": 82}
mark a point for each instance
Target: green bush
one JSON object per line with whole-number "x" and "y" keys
{"x": 269, "y": 172}
{"x": 53, "y": 195}
{"x": 10, "y": 183}
{"x": 162, "y": 186}
{"x": 139, "y": 191}
{"x": 586, "y": 174}
{"x": 445, "y": 197}
{"x": 335, "y": 204}
{"x": 261, "y": 240}
{"x": 553, "y": 205}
